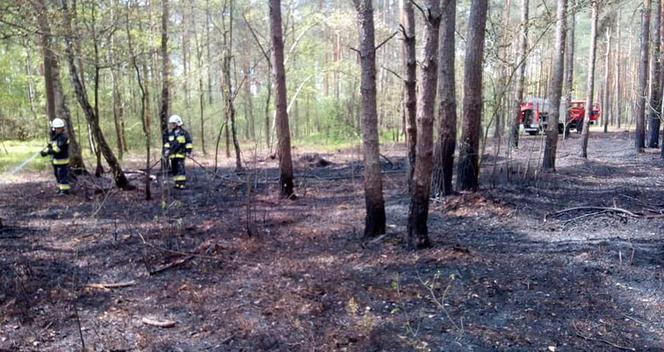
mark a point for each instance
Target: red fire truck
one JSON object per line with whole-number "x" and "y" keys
{"x": 535, "y": 111}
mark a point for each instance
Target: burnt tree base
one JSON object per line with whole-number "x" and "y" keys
{"x": 374, "y": 223}
{"x": 441, "y": 184}
{"x": 467, "y": 171}
{"x": 286, "y": 184}
{"x": 418, "y": 214}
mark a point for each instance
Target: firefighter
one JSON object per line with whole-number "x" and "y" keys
{"x": 58, "y": 149}
{"x": 177, "y": 147}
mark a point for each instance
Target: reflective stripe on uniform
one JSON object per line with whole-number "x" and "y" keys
{"x": 167, "y": 145}
{"x": 180, "y": 178}
{"x": 189, "y": 146}
{"x": 177, "y": 156}
{"x": 181, "y": 139}
{"x": 64, "y": 187}
{"x": 60, "y": 161}
{"x": 171, "y": 138}
{"x": 56, "y": 148}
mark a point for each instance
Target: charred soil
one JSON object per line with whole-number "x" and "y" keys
{"x": 227, "y": 265}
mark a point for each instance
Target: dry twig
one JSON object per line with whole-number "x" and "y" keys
{"x": 106, "y": 286}
{"x": 158, "y": 323}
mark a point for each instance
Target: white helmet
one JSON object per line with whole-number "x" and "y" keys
{"x": 58, "y": 123}
{"x": 175, "y": 119}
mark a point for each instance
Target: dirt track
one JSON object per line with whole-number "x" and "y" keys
{"x": 497, "y": 278}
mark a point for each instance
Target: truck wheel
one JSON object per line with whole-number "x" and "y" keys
{"x": 533, "y": 133}
{"x": 579, "y": 127}
{"x": 561, "y": 128}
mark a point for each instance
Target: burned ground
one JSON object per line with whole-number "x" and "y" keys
{"x": 267, "y": 274}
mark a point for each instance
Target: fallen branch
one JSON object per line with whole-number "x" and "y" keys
{"x": 158, "y": 323}
{"x": 106, "y": 286}
{"x": 604, "y": 210}
{"x": 165, "y": 250}
{"x": 171, "y": 265}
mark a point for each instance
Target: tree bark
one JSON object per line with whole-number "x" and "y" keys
{"x": 249, "y": 103}
{"x": 640, "y": 107}
{"x": 164, "y": 109}
{"x": 468, "y": 165}
{"x": 199, "y": 66}
{"x": 418, "y": 233}
{"x": 591, "y": 80}
{"x": 145, "y": 110}
{"x": 606, "y": 105}
{"x": 520, "y": 75}
{"x": 555, "y": 90}
{"x": 283, "y": 130}
{"x": 618, "y": 81}
{"x": 444, "y": 151}
{"x": 56, "y": 103}
{"x": 655, "y": 109}
{"x": 93, "y": 119}
{"x": 569, "y": 65}
{"x": 118, "y": 111}
{"x": 504, "y": 72}
{"x": 410, "y": 82}
{"x": 374, "y": 224}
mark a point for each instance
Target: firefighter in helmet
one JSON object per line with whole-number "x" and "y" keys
{"x": 58, "y": 149}
{"x": 177, "y": 147}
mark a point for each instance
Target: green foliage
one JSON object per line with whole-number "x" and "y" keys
{"x": 14, "y": 153}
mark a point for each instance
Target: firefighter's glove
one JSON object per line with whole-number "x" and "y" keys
{"x": 46, "y": 151}
{"x": 166, "y": 153}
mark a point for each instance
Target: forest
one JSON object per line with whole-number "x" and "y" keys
{"x": 348, "y": 175}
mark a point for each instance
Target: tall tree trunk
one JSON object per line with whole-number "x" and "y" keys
{"x": 591, "y": 80}
{"x": 117, "y": 104}
{"x": 504, "y": 72}
{"x": 555, "y": 90}
{"x": 468, "y": 166}
{"x": 99, "y": 169}
{"x": 444, "y": 151}
{"x": 93, "y": 119}
{"x": 618, "y": 81}
{"x": 418, "y": 233}
{"x": 569, "y": 66}
{"x": 655, "y": 109}
{"x": 186, "y": 55}
{"x": 208, "y": 51}
{"x": 199, "y": 67}
{"x": 640, "y": 108}
{"x": 374, "y": 224}
{"x": 249, "y": 103}
{"x": 56, "y": 103}
{"x": 145, "y": 109}
{"x": 29, "y": 75}
{"x": 606, "y": 105}
{"x": 520, "y": 74}
{"x": 281, "y": 101}
{"x": 164, "y": 109}
{"x": 268, "y": 97}
{"x": 410, "y": 82}
{"x": 230, "y": 91}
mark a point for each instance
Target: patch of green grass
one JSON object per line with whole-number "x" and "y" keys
{"x": 325, "y": 143}
{"x": 14, "y": 153}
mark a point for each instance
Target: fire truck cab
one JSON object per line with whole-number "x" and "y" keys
{"x": 534, "y": 115}
{"x": 577, "y": 110}
{"x": 535, "y": 112}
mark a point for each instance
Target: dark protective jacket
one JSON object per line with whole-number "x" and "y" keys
{"x": 178, "y": 144}
{"x": 58, "y": 149}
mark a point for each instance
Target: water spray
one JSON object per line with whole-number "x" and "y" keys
{"x": 23, "y": 164}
